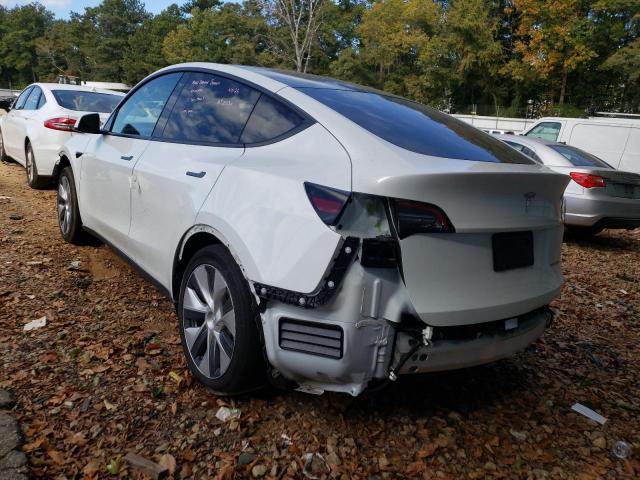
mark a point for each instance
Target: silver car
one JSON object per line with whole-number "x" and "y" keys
{"x": 599, "y": 196}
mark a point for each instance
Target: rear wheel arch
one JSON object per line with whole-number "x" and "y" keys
{"x": 60, "y": 165}
{"x": 193, "y": 240}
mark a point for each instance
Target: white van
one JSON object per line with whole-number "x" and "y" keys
{"x": 614, "y": 140}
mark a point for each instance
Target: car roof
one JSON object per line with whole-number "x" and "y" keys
{"x": 77, "y": 88}
{"x": 275, "y": 79}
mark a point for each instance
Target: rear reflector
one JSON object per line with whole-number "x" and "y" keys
{"x": 327, "y": 202}
{"x": 64, "y": 124}
{"x": 586, "y": 180}
{"x": 417, "y": 217}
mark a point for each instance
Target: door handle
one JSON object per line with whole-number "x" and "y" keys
{"x": 196, "y": 174}
{"x": 125, "y": 157}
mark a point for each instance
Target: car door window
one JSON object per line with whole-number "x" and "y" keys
{"x": 22, "y": 98}
{"x": 545, "y": 130}
{"x": 32, "y": 101}
{"x": 140, "y": 112}
{"x": 270, "y": 119}
{"x": 210, "y": 109}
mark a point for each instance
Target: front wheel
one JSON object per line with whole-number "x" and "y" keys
{"x": 219, "y": 324}
{"x": 69, "y": 219}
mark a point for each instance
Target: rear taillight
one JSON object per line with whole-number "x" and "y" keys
{"x": 586, "y": 180}
{"x": 417, "y": 217}
{"x": 327, "y": 202}
{"x": 64, "y": 124}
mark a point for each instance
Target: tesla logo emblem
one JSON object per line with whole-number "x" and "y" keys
{"x": 528, "y": 199}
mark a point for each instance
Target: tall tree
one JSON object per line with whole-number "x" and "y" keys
{"x": 144, "y": 53}
{"x": 231, "y": 33}
{"x": 553, "y": 39}
{"x": 105, "y": 32}
{"x": 21, "y": 28}
{"x": 298, "y": 22}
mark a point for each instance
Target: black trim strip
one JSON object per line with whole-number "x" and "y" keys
{"x": 329, "y": 285}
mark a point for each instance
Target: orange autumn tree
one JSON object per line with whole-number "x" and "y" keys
{"x": 553, "y": 40}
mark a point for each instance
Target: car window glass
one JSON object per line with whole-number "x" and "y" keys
{"x": 530, "y": 153}
{"x": 42, "y": 101}
{"x": 416, "y": 127}
{"x": 579, "y": 158}
{"x": 269, "y": 119}
{"x": 517, "y": 146}
{"x": 86, "y": 101}
{"x": 140, "y": 112}
{"x": 22, "y": 98}
{"x": 545, "y": 130}
{"x": 210, "y": 109}
{"x": 32, "y": 101}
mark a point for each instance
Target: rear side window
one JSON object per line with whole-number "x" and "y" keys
{"x": 42, "y": 100}
{"x": 545, "y": 130}
{"x": 140, "y": 112}
{"x": 210, "y": 109}
{"x": 33, "y": 99}
{"x": 270, "y": 119}
{"x": 416, "y": 127}
{"x": 22, "y": 99}
{"x": 86, "y": 101}
{"x": 579, "y": 158}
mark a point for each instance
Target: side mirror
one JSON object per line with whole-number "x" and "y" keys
{"x": 89, "y": 123}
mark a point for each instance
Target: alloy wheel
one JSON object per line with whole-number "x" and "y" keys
{"x": 29, "y": 165}
{"x": 208, "y": 320}
{"x": 64, "y": 205}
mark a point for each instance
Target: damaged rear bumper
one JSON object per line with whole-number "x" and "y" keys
{"x": 370, "y": 329}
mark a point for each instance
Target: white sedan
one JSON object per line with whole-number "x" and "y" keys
{"x": 42, "y": 119}
{"x": 314, "y": 232}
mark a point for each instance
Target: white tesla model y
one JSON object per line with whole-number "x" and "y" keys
{"x": 317, "y": 232}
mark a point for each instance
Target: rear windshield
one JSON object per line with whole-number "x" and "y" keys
{"x": 86, "y": 101}
{"x": 416, "y": 127}
{"x": 579, "y": 158}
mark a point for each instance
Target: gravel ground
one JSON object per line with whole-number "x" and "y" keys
{"x": 105, "y": 378}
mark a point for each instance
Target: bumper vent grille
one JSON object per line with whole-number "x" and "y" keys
{"x": 311, "y": 338}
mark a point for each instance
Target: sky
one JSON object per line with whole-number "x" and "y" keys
{"x": 61, "y": 8}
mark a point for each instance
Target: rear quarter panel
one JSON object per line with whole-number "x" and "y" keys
{"x": 260, "y": 207}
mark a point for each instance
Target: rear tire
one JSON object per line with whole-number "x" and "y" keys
{"x": 33, "y": 179}
{"x": 69, "y": 219}
{"x": 584, "y": 232}
{"x": 219, "y": 322}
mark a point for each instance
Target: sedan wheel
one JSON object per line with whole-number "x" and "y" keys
{"x": 33, "y": 179}
{"x": 219, "y": 323}
{"x": 209, "y": 321}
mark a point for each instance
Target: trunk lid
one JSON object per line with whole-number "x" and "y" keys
{"x": 453, "y": 278}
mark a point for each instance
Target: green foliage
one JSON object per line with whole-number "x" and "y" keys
{"x": 557, "y": 57}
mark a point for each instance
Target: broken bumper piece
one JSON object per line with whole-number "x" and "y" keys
{"x": 364, "y": 333}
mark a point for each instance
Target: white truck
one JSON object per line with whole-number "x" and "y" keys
{"x": 614, "y": 140}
